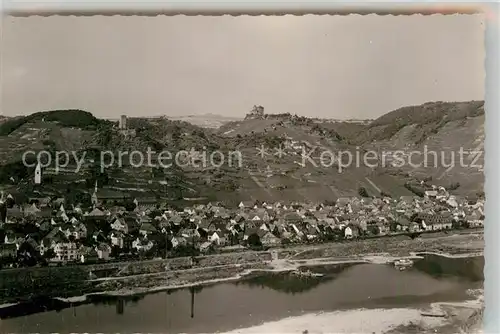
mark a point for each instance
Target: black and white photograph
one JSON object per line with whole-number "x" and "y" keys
{"x": 242, "y": 174}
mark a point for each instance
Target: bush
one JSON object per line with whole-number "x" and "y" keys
{"x": 183, "y": 251}
{"x": 75, "y": 197}
{"x": 415, "y": 189}
{"x": 285, "y": 241}
{"x": 129, "y": 205}
{"x": 384, "y": 194}
{"x": 374, "y": 230}
{"x": 16, "y": 170}
{"x": 254, "y": 241}
{"x": 363, "y": 192}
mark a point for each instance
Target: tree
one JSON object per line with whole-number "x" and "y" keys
{"x": 254, "y": 240}
{"x": 363, "y": 192}
{"x": 384, "y": 194}
{"x": 158, "y": 172}
{"x": 7, "y": 260}
{"x": 185, "y": 250}
{"x": 3, "y": 213}
{"x": 176, "y": 134}
{"x": 129, "y": 205}
{"x": 17, "y": 170}
{"x": 415, "y": 189}
{"x": 414, "y": 235}
{"x": 285, "y": 241}
{"x": 115, "y": 251}
{"x": 27, "y": 256}
{"x": 49, "y": 254}
{"x": 374, "y": 230}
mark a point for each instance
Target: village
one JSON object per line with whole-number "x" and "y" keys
{"x": 47, "y": 231}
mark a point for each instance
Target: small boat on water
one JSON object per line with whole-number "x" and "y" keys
{"x": 306, "y": 273}
{"x": 403, "y": 264}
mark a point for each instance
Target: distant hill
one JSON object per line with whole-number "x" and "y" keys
{"x": 441, "y": 127}
{"x": 208, "y": 120}
{"x": 436, "y": 125}
{"x": 426, "y": 119}
{"x": 66, "y": 118}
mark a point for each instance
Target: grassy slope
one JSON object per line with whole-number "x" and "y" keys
{"x": 434, "y": 124}
{"x": 439, "y": 127}
{"x": 307, "y": 183}
{"x": 427, "y": 118}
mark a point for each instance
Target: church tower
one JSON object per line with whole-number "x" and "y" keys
{"x": 38, "y": 174}
{"x": 94, "y": 198}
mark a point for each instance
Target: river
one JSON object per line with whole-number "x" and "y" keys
{"x": 267, "y": 298}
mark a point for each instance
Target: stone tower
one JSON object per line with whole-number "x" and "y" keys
{"x": 123, "y": 122}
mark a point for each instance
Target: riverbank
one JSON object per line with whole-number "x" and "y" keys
{"x": 141, "y": 277}
{"x": 151, "y": 283}
{"x": 457, "y": 245}
{"x": 377, "y": 295}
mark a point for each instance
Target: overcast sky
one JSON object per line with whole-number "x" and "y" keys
{"x": 324, "y": 66}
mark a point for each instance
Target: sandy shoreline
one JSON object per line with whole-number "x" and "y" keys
{"x": 352, "y": 321}
{"x": 455, "y": 316}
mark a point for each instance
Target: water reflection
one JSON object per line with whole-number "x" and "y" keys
{"x": 287, "y": 283}
{"x": 120, "y": 306}
{"x": 120, "y": 302}
{"x": 42, "y": 304}
{"x": 470, "y": 268}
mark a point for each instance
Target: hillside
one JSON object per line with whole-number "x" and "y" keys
{"x": 285, "y": 178}
{"x": 426, "y": 119}
{"x": 36, "y": 132}
{"x": 441, "y": 127}
{"x": 66, "y": 118}
{"x": 435, "y": 126}
{"x": 447, "y": 126}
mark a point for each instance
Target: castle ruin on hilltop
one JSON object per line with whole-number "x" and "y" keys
{"x": 123, "y": 127}
{"x": 256, "y": 113}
